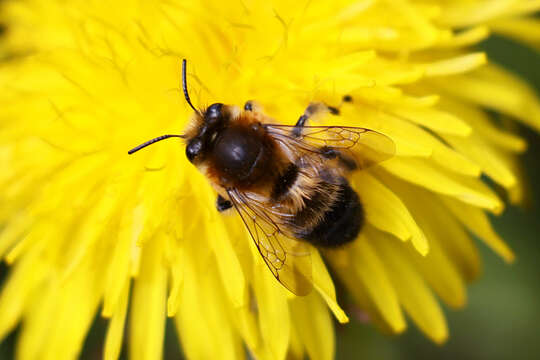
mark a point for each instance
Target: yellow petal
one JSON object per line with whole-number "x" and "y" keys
{"x": 520, "y": 29}
{"x": 342, "y": 261}
{"x": 484, "y": 126}
{"x": 425, "y": 175}
{"x": 441, "y": 274}
{"x": 466, "y": 13}
{"x": 478, "y": 223}
{"x": 33, "y": 338}
{"x": 457, "y": 65}
{"x": 371, "y": 271}
{"x": 436, "y": 268}
{"x": 296, "y": 348}
{"x": 404, "y": 133}
{"x": 24, "y": 278}
{"x": 190, "y": 319}
{"x": 225, "y": 342}
{"x": 396, "y": 129}
{"x": 413, "y": 293}
{"x": 324, "y": 285}
{"x": 438, "y": 121}
{"x": 148, "y": 304}
{"x": 496, "y": 89}
{"x": 314, "y": 324}
{"x": 13, "y": 232}
{"x": 247, "y": 327}
{"x": 466, "y": 37}
{"x": 385, "y": 211}
{"x": 118, "y": 271}
{"x": 115, "y": 331}
{"x": 273, "y": 312}
{"x": 227, "y": 261}
{"x": 204, "y": 318}
{"x": 487, "y": 157}
{"x": 454, "y": 239}
{"x": 73, "y": 302}
{"x": 177, "y": 279}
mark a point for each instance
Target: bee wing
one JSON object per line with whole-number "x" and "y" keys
{"x": 288, "y": 259}
{"x": 367, "y": 147}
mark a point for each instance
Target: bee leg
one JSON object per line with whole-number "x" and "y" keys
{"x": 222, "y": 204}
{"x": 312, "y": 109}
{"x": 329, "y": 152}
{"x": 335, "y": 110}
{"x": 347, "y": 161}
{"x": 297, "y": 130}
{"x": 248, "y": 106}
{"x": 252, "y": 105}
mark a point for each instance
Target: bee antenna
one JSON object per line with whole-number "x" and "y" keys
{"x": 184, "y": 86}
{"x": 150, "y": 142}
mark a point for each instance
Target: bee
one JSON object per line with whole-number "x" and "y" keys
{"x": 288, "y": 183}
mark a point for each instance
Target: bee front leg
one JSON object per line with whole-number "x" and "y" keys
{"x": 222, "y": 204}
{"x": 252, "y": 105}
{"x": 248, "y": 106}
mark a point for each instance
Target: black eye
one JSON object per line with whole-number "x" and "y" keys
{"x": 213, "y": 113}
{"x": 194, "y": 148}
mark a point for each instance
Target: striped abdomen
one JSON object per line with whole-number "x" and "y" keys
{"x": 331, "y": 214}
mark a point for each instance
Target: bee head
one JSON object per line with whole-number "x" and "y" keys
{"x": 210, "y": 125}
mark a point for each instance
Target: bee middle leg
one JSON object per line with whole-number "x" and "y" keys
{"x": 222, "y": 204}
{"x": 327, "y": 151}
{"x": 312, "y": 109}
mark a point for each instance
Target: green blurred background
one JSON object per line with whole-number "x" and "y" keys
{"x": 502, "y": 318}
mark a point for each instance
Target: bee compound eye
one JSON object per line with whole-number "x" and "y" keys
{"x": 194, "y": 148}
{"x": 213, "y": 113}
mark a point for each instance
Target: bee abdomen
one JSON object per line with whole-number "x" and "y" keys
{"x": 340, "y": 223}
{"x": 284, "y": 182}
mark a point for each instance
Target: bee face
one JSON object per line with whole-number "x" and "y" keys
{"x": 207, "y": 128}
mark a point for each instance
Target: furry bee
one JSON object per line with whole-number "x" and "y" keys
{"x": 287, "y": 182}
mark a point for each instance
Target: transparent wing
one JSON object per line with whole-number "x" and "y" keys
{"x": 367, "y": 147}
{"x": 288, "y": 259}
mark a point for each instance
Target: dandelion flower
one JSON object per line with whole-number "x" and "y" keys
{"x": 87, "y": 229}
